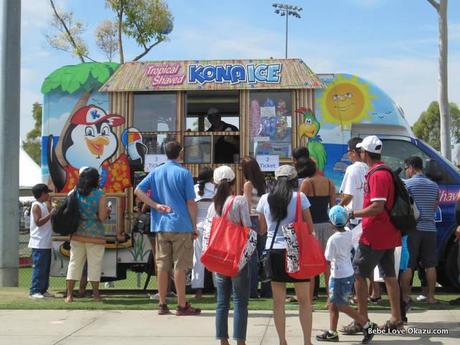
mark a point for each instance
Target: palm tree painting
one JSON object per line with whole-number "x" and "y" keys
{"x": 78, "y": 131}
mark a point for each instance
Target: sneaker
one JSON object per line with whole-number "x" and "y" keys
{"x": 187, "y": 310}
{"x": 352, "y": 328}
{"x": 421, "y": 298}
{"x": 328, "y": 336}
{"x": 163, "y": 309}
{"x": 47, "y": 294}
{"x": 36, "y": 296}
{"x": 369, "y": 332}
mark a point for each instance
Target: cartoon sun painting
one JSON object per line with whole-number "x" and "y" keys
{"x": 346, "y": 101}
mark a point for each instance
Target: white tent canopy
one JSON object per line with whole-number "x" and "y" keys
{"x": 29, "y": 172}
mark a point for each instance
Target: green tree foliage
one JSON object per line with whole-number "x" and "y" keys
{"x": 427, "y": 126}
{"x": 32, "y": 143}
{"x": 148, "y": 22}
{"x": 67, "y": 33}
{"x": 106, "y": 38}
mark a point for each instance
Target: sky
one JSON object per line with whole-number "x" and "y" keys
{"x": 393, "y": 43}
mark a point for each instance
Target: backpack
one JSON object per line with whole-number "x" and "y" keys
{"x": 67, "y": 217}
{"x": 402, "y": 214}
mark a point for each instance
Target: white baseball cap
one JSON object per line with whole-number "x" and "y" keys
{"x": 371, "y": 144}
{"x": 223, "y": 172}
{"x": 286, "y": 171}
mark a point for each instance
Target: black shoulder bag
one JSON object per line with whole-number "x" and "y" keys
{"x": 265, "y": 268}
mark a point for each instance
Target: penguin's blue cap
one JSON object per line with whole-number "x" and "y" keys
{"x": 338, "y": 216}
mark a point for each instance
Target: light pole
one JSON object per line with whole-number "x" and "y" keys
{"x": 287, "y": 10}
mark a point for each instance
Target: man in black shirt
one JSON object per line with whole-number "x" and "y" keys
{"x": 217, "y": 125}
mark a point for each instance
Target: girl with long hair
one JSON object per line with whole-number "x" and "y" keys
{"x": 321, "y": 192}
{"x": 88, "y": 242}
{"x": 224, "y": 178}
{"x": 276, "y": 209}
{"x": 254, "y": 187}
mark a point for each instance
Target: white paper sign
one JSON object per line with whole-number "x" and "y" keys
{"x": 152, "y": 161}
{"x": 268, "y": 162}
{"x": 267, "y": 111}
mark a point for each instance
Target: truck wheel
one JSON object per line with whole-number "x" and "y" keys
{"x": 451, "y": 270}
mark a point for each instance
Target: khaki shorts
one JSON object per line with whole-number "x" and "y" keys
{"x": 174, "y": 249}
{"x": 81, "y": 252}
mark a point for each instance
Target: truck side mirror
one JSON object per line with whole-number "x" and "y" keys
{"x": 433, "y": 170}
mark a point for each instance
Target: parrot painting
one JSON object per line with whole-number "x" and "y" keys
{"x": 308, "y": 132}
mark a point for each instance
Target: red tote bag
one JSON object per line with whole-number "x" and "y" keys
{"x": 227, "y": 242}
{"x": 311, "y": 259}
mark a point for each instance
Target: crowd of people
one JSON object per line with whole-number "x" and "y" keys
{"x": 356, "y": 232}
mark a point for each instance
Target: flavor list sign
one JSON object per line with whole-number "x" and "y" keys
{"x": 165, "y": 74}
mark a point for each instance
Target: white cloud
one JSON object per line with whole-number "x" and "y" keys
{"x": 55, "y": 124}
{"x": 410, "y": 81}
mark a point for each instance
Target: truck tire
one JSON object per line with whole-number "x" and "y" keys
{"x": 451, "y": 270}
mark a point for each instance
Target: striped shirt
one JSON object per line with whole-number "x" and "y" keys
{"x": 426, "y": 195}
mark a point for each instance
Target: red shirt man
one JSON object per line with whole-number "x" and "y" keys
{"x": 379, "y": 237}
{"x": 378, "y": 231}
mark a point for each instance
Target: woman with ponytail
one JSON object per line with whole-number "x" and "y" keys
{"x": 204, "y": 191}
{"x": 254, "y": 187}
{"x": 276, "y": 209}
{"x": 224, "y": 178}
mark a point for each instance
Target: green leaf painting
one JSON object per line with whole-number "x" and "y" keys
{"x": 87, "y": 76}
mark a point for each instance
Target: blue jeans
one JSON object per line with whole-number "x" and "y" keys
{"x": 239, "y": 285}
{"x": 41, "y": 261}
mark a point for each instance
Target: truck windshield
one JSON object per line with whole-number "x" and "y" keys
{"x": 396, "y": 151}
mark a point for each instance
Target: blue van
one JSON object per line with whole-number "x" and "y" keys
{"x": 350, "y": 106}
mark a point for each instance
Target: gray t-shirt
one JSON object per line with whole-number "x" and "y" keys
{"x": 238, "y": 213}
{"x": 264, "y": 208}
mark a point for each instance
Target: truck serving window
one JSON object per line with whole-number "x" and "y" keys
{"x": 155, "y": 112}
{"x": 270, "y": 123}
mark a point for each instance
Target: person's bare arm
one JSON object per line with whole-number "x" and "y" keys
{"x": 346, "y": 199}
{"x": 306, "y": 214}
{"x": 373, "y": 209}
{"x": 154, "y": 205}
{"x": 192, "y": 210}
{"x": 332, "y": 194}
{"x": 262, "y": 224}
{"x": 247, "y": 191}
{"x": 103, "y": 210}
{"x": 37, "y": 214}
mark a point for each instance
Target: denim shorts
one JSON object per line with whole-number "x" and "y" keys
{"x": 340, "y": 289}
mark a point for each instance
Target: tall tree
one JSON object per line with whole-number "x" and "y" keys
{"x": 119, "y": 6}
{"x": 428, "y": 126}
{"x": 441, "y": 8}
{"x": 68, "y": 34}
{"x": 106, "y": 38}
{"x": 32, "y": 143}
{"x": 148, "y": 22}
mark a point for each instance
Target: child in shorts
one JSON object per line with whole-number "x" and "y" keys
{"x": 338, "y": 254}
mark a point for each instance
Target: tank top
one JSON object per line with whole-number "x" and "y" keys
{"x": 40, "y": 236}
{"x": 319, "y": 205}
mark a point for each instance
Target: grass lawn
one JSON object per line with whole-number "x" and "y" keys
{"x": 17, "y": 298}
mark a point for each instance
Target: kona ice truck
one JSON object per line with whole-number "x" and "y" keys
{"x": 117, "y": 118}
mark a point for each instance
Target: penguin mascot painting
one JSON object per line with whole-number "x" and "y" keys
{"x": 89, "y": 141}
